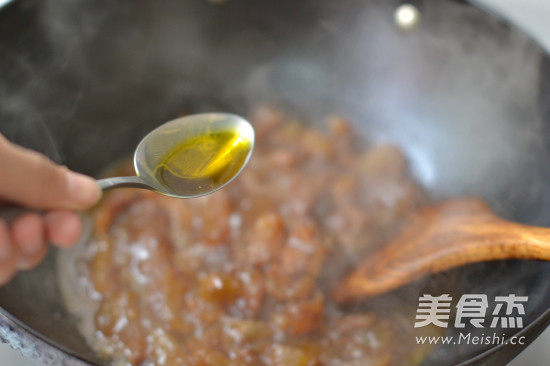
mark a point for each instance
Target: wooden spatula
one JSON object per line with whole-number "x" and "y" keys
{"x": 449, "y": 234}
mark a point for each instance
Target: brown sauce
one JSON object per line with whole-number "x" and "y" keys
{"x": 241, "y": 277}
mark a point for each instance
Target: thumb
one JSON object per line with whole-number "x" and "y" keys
{"x": 31, "y": 179}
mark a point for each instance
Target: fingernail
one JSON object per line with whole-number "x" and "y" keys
{"x": 84, "y": 192}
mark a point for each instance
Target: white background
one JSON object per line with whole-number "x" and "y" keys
{"x": 533, "y": 16}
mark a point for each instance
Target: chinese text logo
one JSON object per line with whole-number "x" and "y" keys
{"x": 471, "y": 308}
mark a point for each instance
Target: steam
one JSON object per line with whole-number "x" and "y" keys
{"x": 22, "y": 119}
{"x": 456, "y": 91}
{"x": 454, "y": 95}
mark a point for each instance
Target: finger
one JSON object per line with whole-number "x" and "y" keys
{"x": 63, "y": 228}
{"x": 7, "y": 255}
{"x": 27, "y": 233}
{"x": 33, "y": 180}
{"x": 26, "y": 262}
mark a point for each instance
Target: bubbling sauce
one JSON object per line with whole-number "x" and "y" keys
{"x": 241, "y": 277}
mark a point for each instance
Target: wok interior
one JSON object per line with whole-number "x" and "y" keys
{"x": 462, "y": 94}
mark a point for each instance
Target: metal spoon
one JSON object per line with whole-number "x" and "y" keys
{"x": 154, "y": 147}
{"x": 447, "y": 235}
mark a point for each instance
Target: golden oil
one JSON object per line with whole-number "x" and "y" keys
{"x": 203, "y": 163}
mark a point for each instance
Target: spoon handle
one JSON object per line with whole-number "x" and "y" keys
{"x": 122, "y": 182}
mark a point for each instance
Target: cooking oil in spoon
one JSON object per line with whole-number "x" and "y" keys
{"x": 203, "y": 163}
{"x": 190, "y": 156}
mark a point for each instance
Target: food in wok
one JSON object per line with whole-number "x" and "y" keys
{"x": 243, "y": 276}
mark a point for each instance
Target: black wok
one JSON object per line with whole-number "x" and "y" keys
{"x": 463, "y": 93}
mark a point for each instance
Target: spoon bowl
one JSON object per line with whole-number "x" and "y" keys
{"x": 190, "y": 156}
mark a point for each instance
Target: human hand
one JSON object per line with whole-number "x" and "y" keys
{"x": 30, "y": 179}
